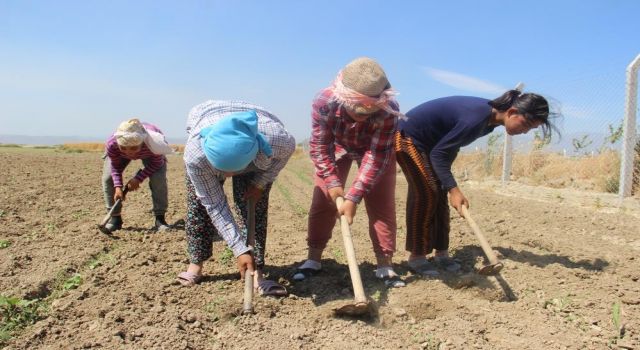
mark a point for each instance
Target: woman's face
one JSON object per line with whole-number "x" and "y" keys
{"x": 516, "y": 123}
{"x": 130, "y": 151}
{"x": 359, "y": 117}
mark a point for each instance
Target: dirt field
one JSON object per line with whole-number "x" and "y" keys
{"x": 570, "y": 281}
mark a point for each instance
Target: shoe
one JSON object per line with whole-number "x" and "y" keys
{"x": 447, "y": 263}
{"x": 306, "y": 270}
{"x": 161, "y": 224}
{"x": 271, "y": 288}
{"x": 189, "y": 279}
{"x": 393, "y": 281}
{"x": 306, "y": 273}
{"x": 114, "y": 224}
{"x": 389, "y": 277}
{"x": 423, "y": 267}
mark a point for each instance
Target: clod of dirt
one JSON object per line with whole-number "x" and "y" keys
{"x": 399, "y": 312}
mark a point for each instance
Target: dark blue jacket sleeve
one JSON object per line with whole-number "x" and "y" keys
{"x": 445, "y": 152}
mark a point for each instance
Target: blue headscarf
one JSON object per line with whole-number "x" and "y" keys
{"x": 233, "y": 142}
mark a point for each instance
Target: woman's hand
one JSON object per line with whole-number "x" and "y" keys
{"x": 457, "y": 199}
{"x": 133, "y": 184}
{"x": 245, "y": 263}
{"x": 335, "y": 192}
{"x": 253, "y": 193}
{"x": 119, "y": 194}
{"x": 348, "y": 209}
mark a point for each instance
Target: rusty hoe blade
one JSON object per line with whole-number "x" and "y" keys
{"x": 354, "y": 309}
{"x": 491, "y": 269}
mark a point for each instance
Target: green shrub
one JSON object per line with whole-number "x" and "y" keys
{"x": 73, "y": 282}
{"x": 16, "y": 313}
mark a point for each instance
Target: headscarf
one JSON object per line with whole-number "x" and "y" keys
{"x": 233, "y": 142}
{"x": 130, "y": 133}
{"x": 353, "y": 99}
{"x": 362, "y": 86}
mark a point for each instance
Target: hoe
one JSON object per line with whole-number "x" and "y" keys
{"x": 360, "y": 306}
{"x": 494, "y": 264}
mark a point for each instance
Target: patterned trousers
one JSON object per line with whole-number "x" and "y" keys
{"x": 427, "y": 212}
{"x": 200, "y": 230}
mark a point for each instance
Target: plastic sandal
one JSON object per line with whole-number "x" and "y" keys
{"x": 393, "y": 281}
{"x": 423, "y": 267}
{"x": 303, "y": 274}
{"x": 189, "y": 279}
{"x": 447, "y": 263}
{"x": 271, "y": 288}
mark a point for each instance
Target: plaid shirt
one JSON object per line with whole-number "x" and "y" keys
{"x": 206, "y": 179}
{"x": 335, "y": 135}
{"x": 119, "y": 160}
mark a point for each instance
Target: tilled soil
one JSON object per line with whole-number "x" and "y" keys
{"x": 568, "y": 268}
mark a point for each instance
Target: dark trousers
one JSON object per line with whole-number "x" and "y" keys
{"x": 427, "y": 212}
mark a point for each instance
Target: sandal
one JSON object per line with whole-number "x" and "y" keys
{"x": 303, "y": 274}
{"x": 189, "y": 279}
{"x": 423, "y": 267}
{"x": 393, "y": 281}
{"x": 447, "y": 263}
{"x": 271, "y": 288}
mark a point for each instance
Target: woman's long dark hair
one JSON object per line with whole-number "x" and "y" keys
{"x": 532, "y": 106}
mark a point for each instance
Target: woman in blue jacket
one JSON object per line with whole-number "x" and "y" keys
{"x": 426, "y": 145}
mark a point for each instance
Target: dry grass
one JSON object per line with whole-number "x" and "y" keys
{"x": 598, "y": 173}
{"x": 178, "y": 148}
{"x": 299, "y": 153}
{"x": 83, "y": 147}
{"x": 99, "y": 147}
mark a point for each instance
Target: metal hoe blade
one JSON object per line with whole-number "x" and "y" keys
{"x": 354, "y": 309}
{"x": 104, "y": 230}
{"x": 491, "y": 269}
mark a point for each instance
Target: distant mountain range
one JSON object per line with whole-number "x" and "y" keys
{"x": 58, "y": 140}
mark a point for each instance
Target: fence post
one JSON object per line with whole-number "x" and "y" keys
{"x": 507, "y": 158}
{"x": 507, "y": 155}
{"x": 629, "y": 136}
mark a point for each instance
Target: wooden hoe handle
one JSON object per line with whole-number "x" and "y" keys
{"x": 247, "y": 306}
{"x": 488, "y": 251}
{"x": 354, "y": 272}
{"x": 115, "y": 206}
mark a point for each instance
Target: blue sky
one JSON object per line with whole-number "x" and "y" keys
{"x": 78, "y": 68}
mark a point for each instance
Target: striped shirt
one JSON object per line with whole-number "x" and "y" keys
{"x": 334, "y": 135}
{"x": 119, "y": 160}
{"x": 206, "y": 179}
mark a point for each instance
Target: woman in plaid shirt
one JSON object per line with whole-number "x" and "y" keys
{"x": 249, "y": 144}
{"x": 354, "y": 119}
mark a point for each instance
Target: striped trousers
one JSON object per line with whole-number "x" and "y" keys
{"x": 427, "y": 211}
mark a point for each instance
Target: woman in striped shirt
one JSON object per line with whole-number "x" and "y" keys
{"x": 135, "y": 140}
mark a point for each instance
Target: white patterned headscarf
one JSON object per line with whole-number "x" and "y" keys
{"x": 130, "y": 133}
{"x": 362, "y": 85}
